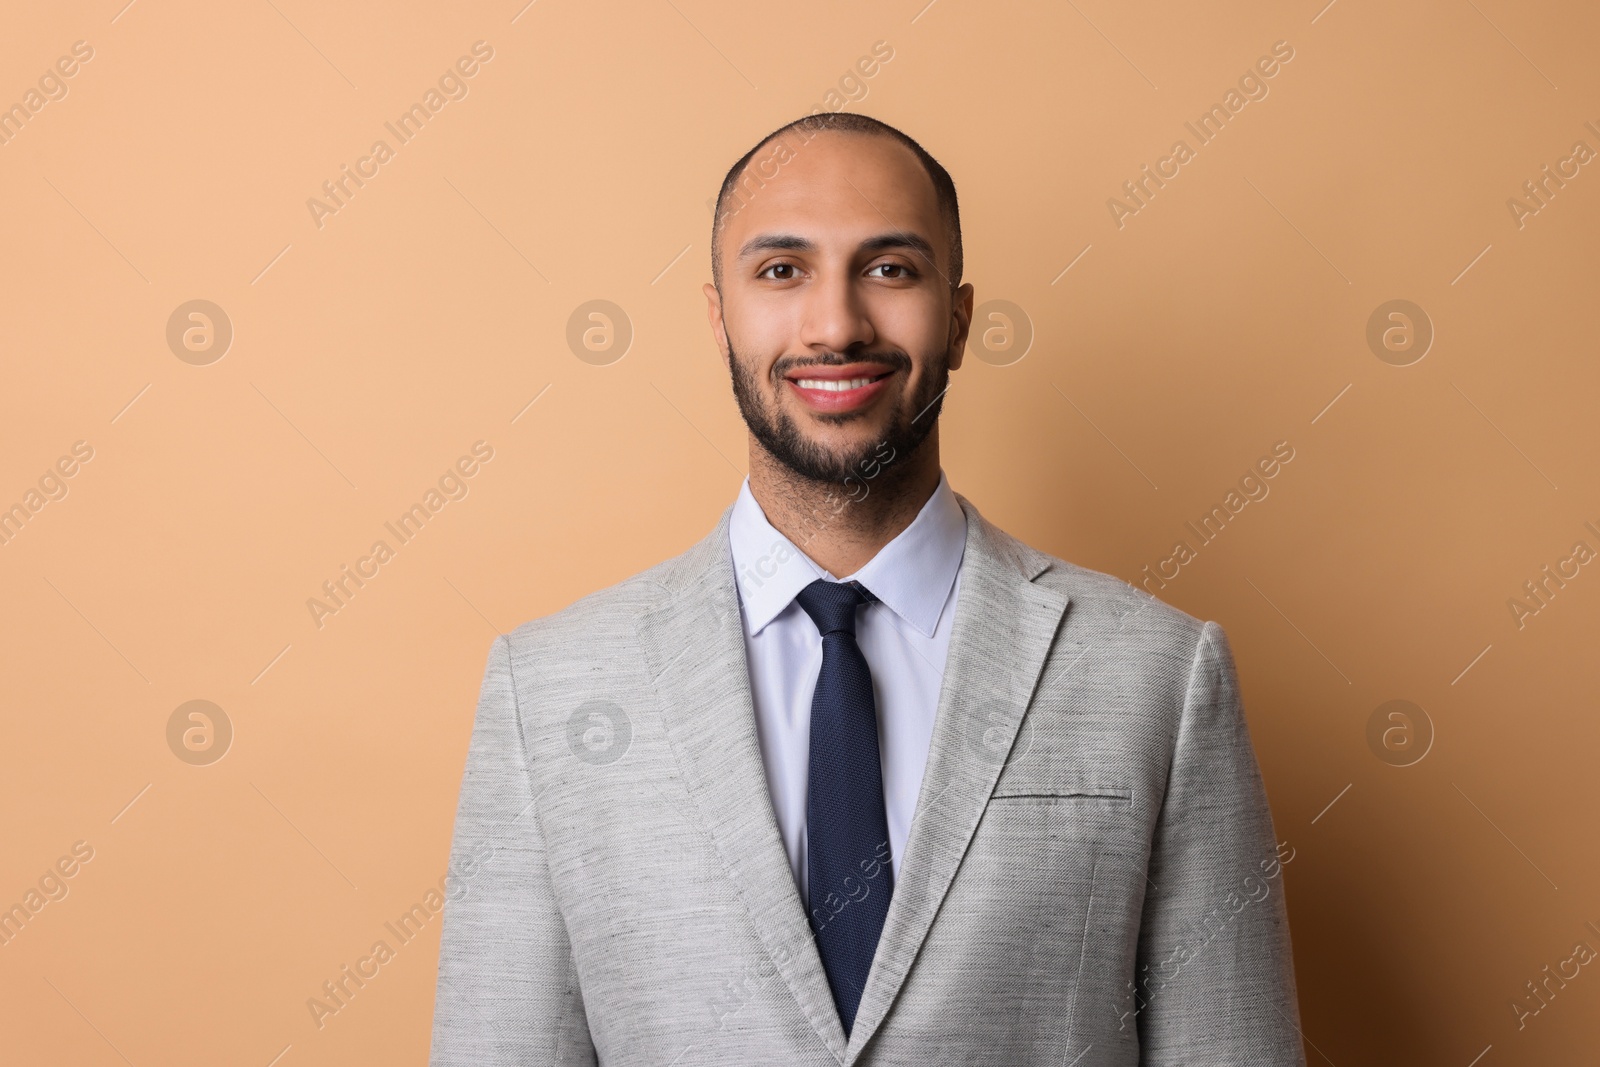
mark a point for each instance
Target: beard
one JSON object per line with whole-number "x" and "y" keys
{"x": 781, "y": 436}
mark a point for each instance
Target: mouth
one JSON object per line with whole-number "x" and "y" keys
{"x": 833, "y": 389}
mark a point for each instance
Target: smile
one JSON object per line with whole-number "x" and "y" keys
{"x": 838, "y": 389}
{"x": 838, "y": 385}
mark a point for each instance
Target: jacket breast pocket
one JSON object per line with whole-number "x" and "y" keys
{"x": 1056, "y": 823}
{"x": 1110, "y": 797}
{"x": 1047, "y": 894}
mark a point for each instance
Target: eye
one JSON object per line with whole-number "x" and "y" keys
{"x": 779, "y": 267}
{"x": 897, "y": 271}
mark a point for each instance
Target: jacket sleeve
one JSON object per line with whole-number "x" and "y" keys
{"x": 1214, "y": 983}
{"x": 508, "y": 991}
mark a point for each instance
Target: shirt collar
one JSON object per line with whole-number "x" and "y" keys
{"x": 911, "y": 575}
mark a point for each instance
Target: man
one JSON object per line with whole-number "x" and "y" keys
{"x": 859, "y": 778}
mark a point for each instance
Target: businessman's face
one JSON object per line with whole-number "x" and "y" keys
{"x": 836, "y": 316}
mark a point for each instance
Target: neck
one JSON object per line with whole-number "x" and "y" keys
{"x": 841, "y": 527}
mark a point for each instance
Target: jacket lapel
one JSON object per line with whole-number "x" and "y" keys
{"x": 1001, "y": 635}
{"x": 693, "y": 643}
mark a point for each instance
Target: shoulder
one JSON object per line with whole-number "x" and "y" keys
{"x": 1109, "y": 600}
{"x": 1130, "y": 632}
{"x": 593, "y": 621}
{"x": 1096, "y": 597}
{"x": 1129, "y": 668}
{"x": 599, "y": 632}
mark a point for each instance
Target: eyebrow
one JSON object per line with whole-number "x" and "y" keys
{"x": 789, "y": 242}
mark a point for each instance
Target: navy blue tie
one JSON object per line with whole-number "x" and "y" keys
{"x": 848, "y": 874}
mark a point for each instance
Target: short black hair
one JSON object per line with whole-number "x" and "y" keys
{"x": 730, "y": 199}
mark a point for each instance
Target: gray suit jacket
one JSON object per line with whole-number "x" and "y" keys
{"x": 1091, "y": 877}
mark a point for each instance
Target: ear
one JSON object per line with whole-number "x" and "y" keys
{"x": 719, "y": 329}
{"x": 960, "y": 323}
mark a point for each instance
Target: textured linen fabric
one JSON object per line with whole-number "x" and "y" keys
{"x": 905, "y": 638}
{"x": 1091, "y": 877}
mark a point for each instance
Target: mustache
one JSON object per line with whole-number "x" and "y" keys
{"x": 893, "y": 358}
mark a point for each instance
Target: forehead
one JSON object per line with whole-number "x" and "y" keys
{"x": 837, "y": 187}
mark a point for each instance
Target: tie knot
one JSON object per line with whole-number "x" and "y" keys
{"x": 832, "y": 605}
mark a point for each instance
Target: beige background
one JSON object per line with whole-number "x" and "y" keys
{"x": 368, "y": 354}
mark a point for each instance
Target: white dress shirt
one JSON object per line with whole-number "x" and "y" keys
{"x": 905, "y": 638}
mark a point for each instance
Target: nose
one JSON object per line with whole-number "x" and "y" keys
{"x": 835, "y": 318}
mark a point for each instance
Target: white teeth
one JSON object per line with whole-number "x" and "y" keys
{"x": 833, "y": 385}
